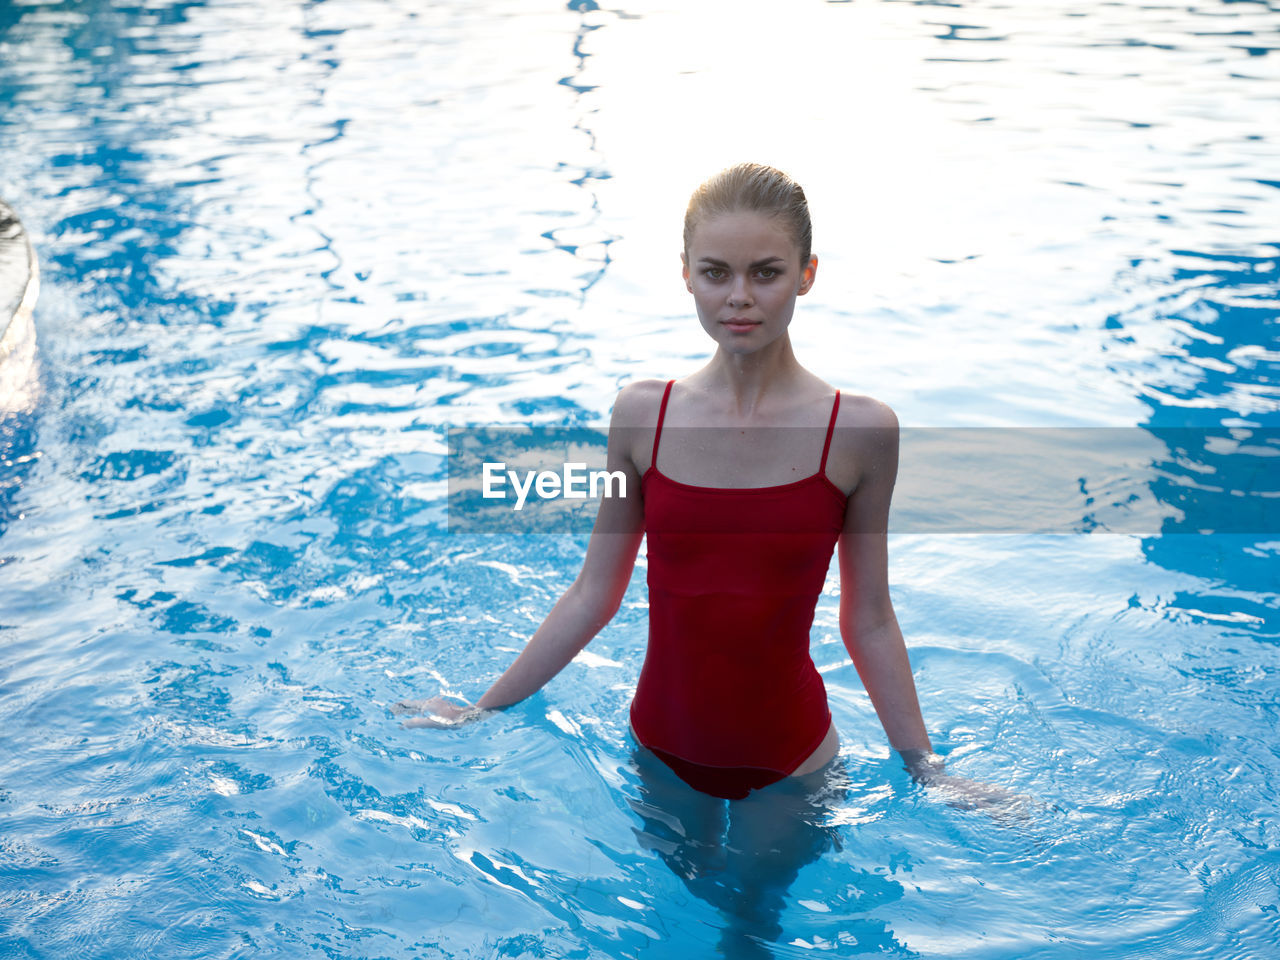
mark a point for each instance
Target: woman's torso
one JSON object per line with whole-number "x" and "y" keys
{"x": 734, "y": 576}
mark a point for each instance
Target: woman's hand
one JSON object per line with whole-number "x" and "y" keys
{"x": 436, "y": 712}
{"x": 929, "y": 769}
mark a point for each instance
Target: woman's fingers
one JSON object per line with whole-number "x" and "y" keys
{"x": 432, "y": 721}
{"x": 929, "y": 770}
{"x": 1000, "y": 802}
{"x": 412, "y": 706}
{"x": 435, "y": 712}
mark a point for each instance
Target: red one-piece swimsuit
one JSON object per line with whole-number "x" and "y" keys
{"x": 728, "y": 696}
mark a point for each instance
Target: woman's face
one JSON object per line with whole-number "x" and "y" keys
{"x": 744, "y": 272}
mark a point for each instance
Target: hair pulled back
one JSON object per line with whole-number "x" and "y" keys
{"x": 756, "y": 188}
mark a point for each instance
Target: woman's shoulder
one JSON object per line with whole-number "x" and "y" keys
{"x": 859, "y": 411}
{"x": 865, "y": 441}
{"x": 638, "y": 402}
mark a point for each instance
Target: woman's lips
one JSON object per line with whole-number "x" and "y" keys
{"x": 739, "y": 325}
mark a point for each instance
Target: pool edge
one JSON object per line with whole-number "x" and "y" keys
{"x": 19, "y": 289}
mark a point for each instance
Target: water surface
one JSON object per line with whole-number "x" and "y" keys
{"x": 286, "y": 246}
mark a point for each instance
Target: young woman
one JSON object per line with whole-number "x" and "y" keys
{"x": 752, "y": 470}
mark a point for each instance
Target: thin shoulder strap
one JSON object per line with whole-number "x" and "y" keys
{"x": 657, "y": 434}
{"x": 835, "y": 408}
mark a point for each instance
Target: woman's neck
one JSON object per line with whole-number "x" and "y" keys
{"x": 746, "y": 379}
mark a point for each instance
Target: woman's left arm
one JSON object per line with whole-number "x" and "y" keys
{"x": 867, "y": 622}
{"x": 868, "y": 625}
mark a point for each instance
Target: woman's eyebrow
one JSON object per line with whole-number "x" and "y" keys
{"x": 759, "y": 263}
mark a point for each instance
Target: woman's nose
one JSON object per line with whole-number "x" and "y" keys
{"x": 739, "y": 294}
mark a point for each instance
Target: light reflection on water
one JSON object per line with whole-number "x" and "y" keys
{"x": 286, "y": 244}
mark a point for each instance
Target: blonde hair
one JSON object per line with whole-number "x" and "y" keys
{"x": 757, "y": 188}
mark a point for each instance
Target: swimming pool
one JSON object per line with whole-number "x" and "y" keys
{"x": 285, "y": 246}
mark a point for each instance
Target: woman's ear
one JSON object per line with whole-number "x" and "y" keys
{"x": 684, "y": 271}
{"x": 806, "y": 275}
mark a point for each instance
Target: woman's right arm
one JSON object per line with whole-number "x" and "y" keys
{"x": 592, "y": 599}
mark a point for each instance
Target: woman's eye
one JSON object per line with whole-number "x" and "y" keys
{"x": 713, "y": 273}
{"x": 766, "y": 273}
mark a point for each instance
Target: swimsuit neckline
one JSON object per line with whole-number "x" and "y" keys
{"x": 820, "y": 476}
{"x": 775, "y": 488}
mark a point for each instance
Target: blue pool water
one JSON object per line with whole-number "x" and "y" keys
{"x": 287, "y": 245}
